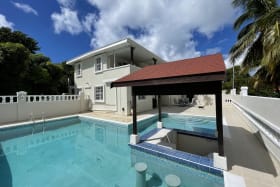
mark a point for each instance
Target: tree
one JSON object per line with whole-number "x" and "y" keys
{"x": 21, "y": 68}
{"x": 258, "y": 39}
{"x": 241, "y": 79}
{"x": 7, "y": 35}
{"x": 244, "y": 79}
{"x": 13, "y": 64}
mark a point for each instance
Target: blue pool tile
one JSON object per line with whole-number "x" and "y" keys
{"x": 204, "y": 168}
{"x": 194, "y": 161}
{"x": 216, "y": 171}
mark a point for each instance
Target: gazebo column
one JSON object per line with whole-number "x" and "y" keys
{"x": 159, "y": 124}
{"x": 220, "y": 161}
{"x": 134, "y": 139}
{"x": 219, "y": 122}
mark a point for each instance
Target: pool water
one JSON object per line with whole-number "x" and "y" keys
{"x": 192, "y": 124}
{"x": 85, "y": 152}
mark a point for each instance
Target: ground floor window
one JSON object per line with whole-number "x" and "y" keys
{"x": 141, "y": 97}
{"x": 99, "y": 93}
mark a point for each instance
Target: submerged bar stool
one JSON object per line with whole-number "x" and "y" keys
{"x": 172, "y": 180}
{"x": 141, "y": 169}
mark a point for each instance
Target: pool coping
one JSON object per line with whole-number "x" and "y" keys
{"x": 118, "y": 122}
{"x": 182, "y": 114}
{"x": 26, "y": 123}
{"x": 233, "y": 180}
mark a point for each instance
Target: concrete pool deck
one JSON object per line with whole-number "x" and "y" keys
{"x": 109, "y": 115}
{"x": 246, "y": 155}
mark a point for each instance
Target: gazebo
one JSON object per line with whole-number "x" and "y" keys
{"x": 201, "y": 75}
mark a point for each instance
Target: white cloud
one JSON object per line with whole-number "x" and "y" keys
{"x": 5, "y": 23}
{"x": 67, "y": 3}
{"x": 213, "y": 50}
{"x": 89, "y": 21}
{"x": 67, "y": 21}
{"x": 169, "y": 25}
{"x": 237, "y": 62}
{"x": 25, "y": 8}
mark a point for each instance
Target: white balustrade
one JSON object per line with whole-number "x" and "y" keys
{"x": 8, "y": 99}
{"x": 18, "y": 107}
{"x": 42, "y": 98}
{"x": 39, "y": 98}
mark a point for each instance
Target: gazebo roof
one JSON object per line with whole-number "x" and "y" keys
{"x": 200, "y": 69}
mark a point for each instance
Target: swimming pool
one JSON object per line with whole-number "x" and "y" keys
{"x": 82, "y": 152}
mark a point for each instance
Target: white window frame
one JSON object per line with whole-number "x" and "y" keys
{"x": 96, "y": 61}
{"x": 103, "y": 94}
{"x": 79, "y": 70}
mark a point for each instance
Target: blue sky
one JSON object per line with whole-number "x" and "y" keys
{"x": 172, "y": 29}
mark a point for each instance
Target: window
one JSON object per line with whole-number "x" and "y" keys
{"x": 99, "y": 94}
{"x": 141, "y": 97}
{"x": 110, "y": 62}
{"x": 79, "y": 70}
{"x": 98, "y": 64}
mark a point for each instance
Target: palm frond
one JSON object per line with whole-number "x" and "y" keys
{"x": 246, "y": 29}
{"x": 238, "y": 3}
{"x": 242, "y": 19}
{"x": 242, "y": 45}
{"x": 269, "y": 18}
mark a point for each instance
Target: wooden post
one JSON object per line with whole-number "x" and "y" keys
{"x": 134, "y": 127}
{"x": 159, "y": 108}
{"x": 132, "y": 55}
{"x": 219, "y": 121}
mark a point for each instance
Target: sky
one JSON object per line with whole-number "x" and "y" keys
{"x": 173, "y": 29}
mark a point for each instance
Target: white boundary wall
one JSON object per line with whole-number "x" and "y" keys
{"x": 263, "y": 112}
{"x": 266, "y": 107}
{"x": 24, "y": 107}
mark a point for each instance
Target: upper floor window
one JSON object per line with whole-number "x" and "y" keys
{"x": 98, "y": 64}
{"x": 110, "y": 62}
{"x": 79, "y": 70}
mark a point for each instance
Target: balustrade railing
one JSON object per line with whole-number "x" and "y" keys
{"x": 39, "y": 98}
{"x": 46, "y": 98}
{"x": 8, "y": 99}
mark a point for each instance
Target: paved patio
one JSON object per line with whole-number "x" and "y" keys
{"x": 246, "y": 155}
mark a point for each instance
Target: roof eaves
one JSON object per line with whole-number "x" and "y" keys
{"x": 214, "y": 76}
{"x": 133, "y": 43}
{"x": 94, "y": 52}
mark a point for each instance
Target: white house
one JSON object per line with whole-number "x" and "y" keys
{"x": 95, "y": 70}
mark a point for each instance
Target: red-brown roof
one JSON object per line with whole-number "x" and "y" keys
{"x": 210, "y": 64}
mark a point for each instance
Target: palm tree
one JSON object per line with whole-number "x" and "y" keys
{"x": 258, "y": 38}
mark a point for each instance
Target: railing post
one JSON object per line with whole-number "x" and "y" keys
{"x": 82, "y": 101}
{"x": 21, "y": 98}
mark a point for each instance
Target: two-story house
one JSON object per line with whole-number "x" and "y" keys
{"x": 95, "y": 70}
